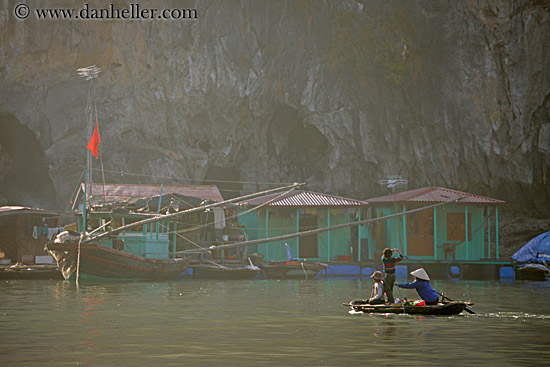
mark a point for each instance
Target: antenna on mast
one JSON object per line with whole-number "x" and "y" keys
{"x": 89, "y": 73}
{"x": 394, "y": 182}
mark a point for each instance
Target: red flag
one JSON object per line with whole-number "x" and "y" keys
{"x": 93, "y": 145}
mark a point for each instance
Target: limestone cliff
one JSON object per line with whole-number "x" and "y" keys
{"x": 338, "y": 94}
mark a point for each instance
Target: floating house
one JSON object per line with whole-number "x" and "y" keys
{"x": 299, "y": 211}
{"x": 24, "y": 232}
{"x": 439, "y": 233}
{"x": 463, "y": 229}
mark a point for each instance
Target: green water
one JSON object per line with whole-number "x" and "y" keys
{"x": 264, "y": 323}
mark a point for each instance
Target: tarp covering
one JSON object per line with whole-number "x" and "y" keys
{"x": 535, "y": 251}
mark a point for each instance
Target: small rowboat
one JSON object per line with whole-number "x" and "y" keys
{"x": 441, "y": 309}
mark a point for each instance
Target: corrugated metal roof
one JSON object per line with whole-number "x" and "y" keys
{"x": 302, "y": 198}
{"x": 18, "y": 210}
{"x": 123, "y": 192}
{"x": 435, "y": 195}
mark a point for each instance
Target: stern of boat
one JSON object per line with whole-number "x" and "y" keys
{"x": 60, "y": 250}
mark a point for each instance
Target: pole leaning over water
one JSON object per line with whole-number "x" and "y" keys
{"x": 192, "y": 210}
{"x": 313, "y": 231}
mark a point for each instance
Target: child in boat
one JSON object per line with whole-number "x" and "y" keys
{"x": 389, "y": 268}
{"x": 423, "y": 287}
{"x": 377, "y": 289}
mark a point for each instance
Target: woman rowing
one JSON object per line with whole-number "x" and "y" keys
{"x": 423, "y": 287}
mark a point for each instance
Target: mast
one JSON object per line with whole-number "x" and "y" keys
{"x": 89, "y": 73}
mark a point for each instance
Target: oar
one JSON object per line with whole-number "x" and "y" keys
{"x": 402, "y": 300}
{"x": 444, "y": 296}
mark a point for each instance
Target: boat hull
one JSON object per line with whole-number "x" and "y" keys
{"x": 103, "y": 262}
{"x": 441, "y": 309}
{"x": 540, "y": 273}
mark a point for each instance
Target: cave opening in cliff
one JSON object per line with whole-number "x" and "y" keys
{"x": 300, "y": 151}
{"x": 226, "y": 178}
{"x": 24, "y": 178}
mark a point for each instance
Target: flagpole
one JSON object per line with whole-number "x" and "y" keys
{"x": 89, "y": 73}
{"x": 90, "y": 132}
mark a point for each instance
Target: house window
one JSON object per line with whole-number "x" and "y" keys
{"x": 456, "y": 227}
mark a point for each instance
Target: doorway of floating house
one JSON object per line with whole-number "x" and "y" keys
{"x": 420, "y": 233}
{"x": 308, "y": 244}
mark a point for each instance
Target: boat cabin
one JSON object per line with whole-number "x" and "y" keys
{"x": 115, "y": 205}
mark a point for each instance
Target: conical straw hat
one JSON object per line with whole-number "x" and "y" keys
{"x": 420, "y": 274}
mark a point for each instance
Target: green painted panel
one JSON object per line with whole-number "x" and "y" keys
{"x": 340, "y": 239}
{"x": 283, "y": 221}
{"x": 367, "y": 232}
{"x": 157, "y": 249}
{"x": 280, "y": 223}
{"x": 152, "y": 245}
{"x": 106, "y": 243}
{"x": 134, "y": 246}
{"x": 477, "y": 242}
{"x": 476, "y": 246}
{"x": 250, "y": 221}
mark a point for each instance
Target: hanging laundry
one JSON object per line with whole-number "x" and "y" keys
{"x": 39, "y": 231}
{"x": 219, "y": 218}
{"x": 48, "y": 232}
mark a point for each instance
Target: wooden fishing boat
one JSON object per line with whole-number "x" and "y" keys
{"x": 104, "y": 262}
{"x": 292, "y": 269}
{"x": 441, "y": 309}
{"x": 124, "y": 245}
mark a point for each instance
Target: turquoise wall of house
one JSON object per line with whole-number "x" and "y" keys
{"x": 281, "y": 222}
{"x": 366, "y": 233}
{"x": 396, "y": 237}
{"x": 250, "y": 221}
{"x": 391, "y": 236}
{"x": 474, "y": 249}
{"x": 340, "y": 239}
{"x": 284, "y": 221}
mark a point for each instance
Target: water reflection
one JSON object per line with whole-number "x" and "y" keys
{"x": 265, "y": 322}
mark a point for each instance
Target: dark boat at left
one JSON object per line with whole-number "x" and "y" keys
{"x": 96, "y": 260}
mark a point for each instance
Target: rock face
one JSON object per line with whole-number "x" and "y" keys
{"x": 338, "y": 94}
